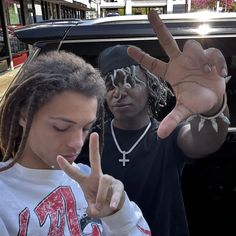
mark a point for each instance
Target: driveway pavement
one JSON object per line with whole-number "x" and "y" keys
{"x": 6, "y": 78}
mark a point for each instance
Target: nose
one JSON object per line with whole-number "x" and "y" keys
{"x": 119, "y": 92}
{"x": 76, "y": 140}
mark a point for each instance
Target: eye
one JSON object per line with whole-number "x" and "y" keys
{"x": 60, "y": 129}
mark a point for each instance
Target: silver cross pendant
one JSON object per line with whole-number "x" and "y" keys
{"x": 123, "y": 160}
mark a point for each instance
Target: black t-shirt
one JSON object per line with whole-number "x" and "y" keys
{"x": 152, "y": 178}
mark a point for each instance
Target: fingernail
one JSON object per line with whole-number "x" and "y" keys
{"x": 227, "y": 79}
{"x": 113, "y": 205}
{"x": 224, "y": 72}
{"x": 207, "y": 68}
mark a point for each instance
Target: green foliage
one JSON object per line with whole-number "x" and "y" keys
{"x": 121, "y": 11}
{"x": 227, "y": 5}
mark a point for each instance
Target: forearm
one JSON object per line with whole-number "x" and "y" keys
{"x": 128, "y": 221}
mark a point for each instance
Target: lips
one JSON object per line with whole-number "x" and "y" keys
{"x": 70, "y": 158}
{"x": 120, "y": 105}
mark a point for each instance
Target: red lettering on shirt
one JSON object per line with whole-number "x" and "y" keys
{"x": 24, "y": 220}
{"x": 59, "y": 206}
{"x": 96, "y": 231}
{"x": 145, "y": 231}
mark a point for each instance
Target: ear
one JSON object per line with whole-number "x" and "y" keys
{"x": 22, "y": 119}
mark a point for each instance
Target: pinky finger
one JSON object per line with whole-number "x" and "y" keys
{"x": 217, "y": 58}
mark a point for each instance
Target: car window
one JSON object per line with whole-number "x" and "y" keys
{"x": 87, "y": 38}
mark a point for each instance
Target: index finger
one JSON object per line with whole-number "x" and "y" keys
{"x": 70, "y": 170}
{"x": 152, "y": 64}
{"x": 94, "y": 155}
{"x": 165, "y": 38}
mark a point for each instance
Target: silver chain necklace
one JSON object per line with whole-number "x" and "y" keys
{"x": 124, "y": 153}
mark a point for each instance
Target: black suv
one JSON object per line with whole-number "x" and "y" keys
{"x": 209, "y": 185}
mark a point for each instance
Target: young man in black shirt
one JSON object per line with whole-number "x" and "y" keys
{"x": 146, "y": 152}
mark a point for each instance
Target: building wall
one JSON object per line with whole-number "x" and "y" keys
{"x": 132, "y": 7}
{"x": 16, "y": 13}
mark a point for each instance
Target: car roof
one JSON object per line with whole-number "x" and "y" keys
{"x": 87, "y": 38}
{"x": 185, "y": 25}
{"x": 200, "y": 16}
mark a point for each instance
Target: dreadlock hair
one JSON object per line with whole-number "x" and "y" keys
{"x": 160, "y": 93}
{"x": 50, "y": 74}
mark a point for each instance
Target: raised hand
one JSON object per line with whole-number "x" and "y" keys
{"x": 196, "y": 75}
{"x": 104, "y": 194}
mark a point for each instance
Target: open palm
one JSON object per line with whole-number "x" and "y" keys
{"x": 196, "y": 75}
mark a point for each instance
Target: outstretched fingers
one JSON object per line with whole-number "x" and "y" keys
{"x": 217, "y": 58}
{"x": 165, "y": 38}
{"x": 152, "y": 64}
{"x": 194, "y": 51}
{"x": 206, "y": 59}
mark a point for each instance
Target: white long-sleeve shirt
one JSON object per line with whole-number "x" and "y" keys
{"x": 48, "y": 202}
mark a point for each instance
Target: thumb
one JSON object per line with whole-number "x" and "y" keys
{"x": 172, "y": 120}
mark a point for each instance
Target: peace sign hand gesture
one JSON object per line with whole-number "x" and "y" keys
{"x": 196, "y": 75}
{"x": 104, "y": 194}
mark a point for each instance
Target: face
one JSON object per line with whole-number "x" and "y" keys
{"x": 128, "y": 102}
{"x": 60, "y": 127}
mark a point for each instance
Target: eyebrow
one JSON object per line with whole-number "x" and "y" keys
{"x": 70, "y": 121}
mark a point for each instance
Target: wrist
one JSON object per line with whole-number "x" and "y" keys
{"x": 212, "y": 118}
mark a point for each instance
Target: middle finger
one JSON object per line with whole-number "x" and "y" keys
{"x": 94, "y": 155}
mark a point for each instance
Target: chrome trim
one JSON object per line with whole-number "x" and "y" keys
{"x": 146, "y": 38}
{"x": 231, "y": 129}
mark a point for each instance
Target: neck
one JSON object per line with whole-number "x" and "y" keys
{"x": 126, "y": 152}
{"x": 132, "y": 123}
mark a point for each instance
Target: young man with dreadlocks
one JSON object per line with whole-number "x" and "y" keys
{"x": 45, "y": 117}
{"x": 148, "y": 164}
